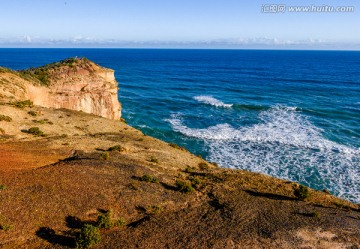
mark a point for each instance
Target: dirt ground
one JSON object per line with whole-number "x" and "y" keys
{"x": 51, "y": 184}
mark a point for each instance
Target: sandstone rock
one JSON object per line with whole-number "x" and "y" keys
{"x": 76, "y": 84}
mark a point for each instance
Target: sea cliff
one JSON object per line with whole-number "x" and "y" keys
{"x": 76, "y": 84}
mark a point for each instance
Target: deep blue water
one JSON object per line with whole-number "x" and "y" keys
{"x": 290, "y": 114}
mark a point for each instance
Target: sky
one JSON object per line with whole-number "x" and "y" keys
{"x": 179, "y": 24}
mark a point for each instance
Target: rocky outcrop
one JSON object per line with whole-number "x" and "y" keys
{"x": 76, "y": 84}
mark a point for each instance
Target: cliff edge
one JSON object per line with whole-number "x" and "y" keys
{"x": 76, "y": 84}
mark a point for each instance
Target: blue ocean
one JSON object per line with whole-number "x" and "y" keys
{"x": 288, "y": 114}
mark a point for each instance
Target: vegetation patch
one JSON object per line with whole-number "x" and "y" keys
{"x": 177, "y": 146}
{"x": 23, "y": 104}
{"x": 5, "y": 118}
{"x": 43, "y": 121}
{"x": 5, "y": 227}
{"x": 2, "y": 187}
{"x": 341, "y": 205}
{"x": 88, "y": 236}
{"x": 2, "y": 132}
{"x": 203, "y": 166}
{"x": 188, "y": 169}
{"x": 149, "y": 178}
{"x": 116, "y": 148}
{"x": 105, "y": 156}
{"x": 154, "y": 160}
{"x": 155, "y": 209}
{"x": 301, "y": 192}
{"x": 196, "y": 182}
{"x": 184, "y": 187}
{"x": 104, "y": 220}
{"x": 32, "y": 113}
{"x": 35, "y": 131}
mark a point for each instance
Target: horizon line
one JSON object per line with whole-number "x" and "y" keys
{"x": 193, "y": 48}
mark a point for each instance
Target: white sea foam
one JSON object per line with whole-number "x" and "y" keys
{"x": 210, "y": 100}
{"x": 284, "y": 144}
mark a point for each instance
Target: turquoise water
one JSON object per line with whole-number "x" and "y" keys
{"x": 289, "y": 114}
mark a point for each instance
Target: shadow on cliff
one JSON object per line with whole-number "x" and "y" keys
{"x": 270, "y": 196}
{"x": 50, "y": 236}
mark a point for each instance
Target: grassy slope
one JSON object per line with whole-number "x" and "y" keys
{"x": 50, "y": 180}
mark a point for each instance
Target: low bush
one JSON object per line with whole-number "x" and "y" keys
{"x": 2, "y": 187}
{"x": 104, "y": 220}
{"x": 35, "y": 131}
{"x": 184, "y": 187}
{"x": 203, "y": 166}
{"x": 155, "y": 209}
{"x": 149, "y": 178}
{"x": 120, "y": 222}
{"x": 188, "y": 169}
{"x": 315, "y": 214}
{"x": 23, "y": 104}
{"x": 177, "y": 146}
{"x": 302, "y": 192}
{"x": 105, "y": 156}
{"x": 154, "y": 160}
{"x": 33, "y": 113}
{"x": 116, "y": 148}
{"x": 88, "y": 237}
{"x": 5, "y": 227}
{"x": 196, "y": 181}
{"x": 5, "y": 118}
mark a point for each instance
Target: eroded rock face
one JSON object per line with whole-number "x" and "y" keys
{"x": 76, "y": 84}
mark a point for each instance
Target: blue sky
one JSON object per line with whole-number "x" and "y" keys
{"x": 176, "y": 23}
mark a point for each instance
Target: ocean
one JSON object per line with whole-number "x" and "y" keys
{"x": 289, "y": 114}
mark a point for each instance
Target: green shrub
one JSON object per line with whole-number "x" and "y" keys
{"x": 184, "y": 187}
{"x": 88, "y": 237}
{"x": 188, "y": 169}
{"x": 39, "y": 121}
{"x": 120, "y": 222}
{"x": 177, "y": 146}
{"x": 104, "y": 220}
{"x": 32, "y": 113}
{"x": 149, "y": 178}
{"x": 5, "y": 118}
{"x": 196, "y": 181}
{"x": 315, "y": 214}
{"x": 105, "y": 156}
{"x": 3, "y": 187}
{"x": 35, "y": 131}
{"x": 5, "y": 227}
{"x": 154, "y": 160}
{"x": 116, "y": 148}
{"x": 301, "y": 192}
{"x": 22, "y": 104}
{"x": 155, "y": 209}
{"x": 203, "y": 166}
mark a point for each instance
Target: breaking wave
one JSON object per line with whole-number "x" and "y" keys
{"x": 283, "y": 144}
{"x": 211, "y": 101}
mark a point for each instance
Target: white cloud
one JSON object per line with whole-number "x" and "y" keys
{"x": 235, "y": 43}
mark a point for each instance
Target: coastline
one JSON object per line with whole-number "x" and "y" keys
{"x": 82, "y": 164}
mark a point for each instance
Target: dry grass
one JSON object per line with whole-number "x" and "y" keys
{"x": 60, "y": 182}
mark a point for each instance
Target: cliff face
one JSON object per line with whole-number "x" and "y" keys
{"x": 75, "y": 84}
